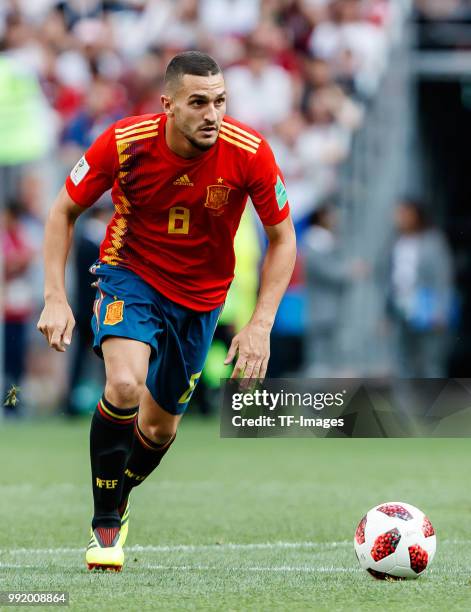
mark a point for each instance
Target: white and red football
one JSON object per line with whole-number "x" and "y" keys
{"x": 395, "y": 541}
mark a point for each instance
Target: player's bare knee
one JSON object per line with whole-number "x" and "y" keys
{"x": 124, "y": 389}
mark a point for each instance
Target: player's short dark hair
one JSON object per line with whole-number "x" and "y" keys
{"x": 190, "y": 62}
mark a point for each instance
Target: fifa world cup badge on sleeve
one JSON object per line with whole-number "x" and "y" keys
{"x": 280, "y": 193}
{"x": 79, "y": 171}
{"x": 114, "y": 313}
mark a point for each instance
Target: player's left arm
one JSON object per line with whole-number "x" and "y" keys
{"x": 268, "y": 193}
{"x": 252, "y": 343}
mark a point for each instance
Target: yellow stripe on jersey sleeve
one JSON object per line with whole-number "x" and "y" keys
{"x": 151, "y": 122}
{"x": 148, "y": 128}
{"x": 241, "y": 138}
{"x": 138, "y": 137}
{"x": 236, "y": 128}
{"x": 237, "y": 143}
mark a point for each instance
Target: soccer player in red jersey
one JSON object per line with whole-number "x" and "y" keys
{"x": 180, "y": 182}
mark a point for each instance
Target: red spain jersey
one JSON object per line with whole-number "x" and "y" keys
{"x": 175, "y": 219}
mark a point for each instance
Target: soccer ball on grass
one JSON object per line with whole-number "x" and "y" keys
{"x": 395, "y": 541}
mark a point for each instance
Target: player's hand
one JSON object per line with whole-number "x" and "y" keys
{"x": 56, "y": 324}
{"x": 252, "y": 344}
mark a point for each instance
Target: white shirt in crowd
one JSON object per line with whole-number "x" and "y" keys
{"x": 259, "y": 100}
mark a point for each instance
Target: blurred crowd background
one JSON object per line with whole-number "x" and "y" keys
{"x": 366, "y": 104}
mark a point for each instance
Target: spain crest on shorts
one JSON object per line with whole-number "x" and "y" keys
{"x": 114, "y": 313}
{"x": 216, "y": 197}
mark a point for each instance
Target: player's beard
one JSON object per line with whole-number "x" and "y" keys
{"x": 201, "y": 146}
{"x": 195, "y": 142}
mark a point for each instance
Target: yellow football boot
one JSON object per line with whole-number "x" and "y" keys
{"x": 104, "y": 551}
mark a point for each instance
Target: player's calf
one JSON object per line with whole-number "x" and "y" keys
{"x": 145, "y": 456}
{"x": 158, "y": 434}
{"x": 111, "y": 437}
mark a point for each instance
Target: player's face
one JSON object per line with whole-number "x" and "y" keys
{"x": 198, "y": 107}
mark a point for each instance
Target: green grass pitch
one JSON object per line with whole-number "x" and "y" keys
{"x": 233, "y": 524}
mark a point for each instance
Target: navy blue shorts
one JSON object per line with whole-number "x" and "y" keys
{"x": 128, "y": 307}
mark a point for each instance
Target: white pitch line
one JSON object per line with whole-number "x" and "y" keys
{"x": 252, "y": 568}
{"x": 229, "y": 546}
{"x": 190, "y": 547}
{"x": 18, "y": 566}
{"x": 234, "y": 546}
{"x": 216, "y": 568}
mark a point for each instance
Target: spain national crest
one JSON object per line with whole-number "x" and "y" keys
{"x": 114, "y": 313}
{"x": 217, "y": 196}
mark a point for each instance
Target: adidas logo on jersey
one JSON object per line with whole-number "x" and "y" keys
{"x": 183, "y": 181}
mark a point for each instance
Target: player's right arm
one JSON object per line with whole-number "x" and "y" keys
{"x": 57, "y": 321}
{"x": 268, "y": 193}
{"x": 92, "y": 176}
